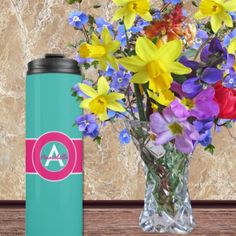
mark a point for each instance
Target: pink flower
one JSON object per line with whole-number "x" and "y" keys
{"x": 202, "y": 107}
{"x": 168, "y": 127}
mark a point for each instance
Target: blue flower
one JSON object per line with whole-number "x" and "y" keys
{"x": 205, "y": 138}
{"x": 109, "y": 72}
{"x": 204, "y": 129}
{"x": 200, "y": 38}
{"x": 174, "y": 2}
{"x": 230, "y": 80}
{"x": 124, "y": 137}
{"x": 229, "y": 37}
{"x": 78, "y": 19}
{"x": 78, "y": 91}
{"x": 184, "y": 12}
{"x": 81, "y": 60}
{"x": 114, "y": 115}
{"x": 117, "y": 115}
{"x": 220, "y": 123}
{"x": 121, "y": 36}
{"x": 157, "y": 15}
{"x": 228, "y": 64}
{"x": 120, "y": 79}
{"x": 101, "y": 23}
{"x": 87, "y": 125}
{"x": 233, "y": 15}
{"x": 139, "y": 26}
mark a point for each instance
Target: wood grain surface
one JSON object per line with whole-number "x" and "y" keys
{"x": 123, "y": 221}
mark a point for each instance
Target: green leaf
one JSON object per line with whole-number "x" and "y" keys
{"x": 229, "y": 124}
{"x": 97, "y": 6}
{"x": 74, "y": 94}
{"x": 194, "y": 4}
{"x": 91, "y": 20}
{"x": 155, "y": 40}
{"x": 98, "y": 139}
{"x": 86, "y": 66}
{"x": 210, "y": 148}
{"x": 190, "y": 53}
{"x": 73, "y": 1}
{"x": 95, "y": 64}
{"x": 79, "y": 99}
{"x": 179, "y": 78}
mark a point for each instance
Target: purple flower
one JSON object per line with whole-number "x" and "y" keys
{"x": 78, "y": 19}
{"x": 201, "y": 107}
{"x": 204, "y": 129}
{"x": 191, "y": 64}
{"x": 120, "y": 79}
{"x": 168, "y": 127}
{"x": 216, "y": 46}
{"x": 124, "y": 137}
{"x": 87, "y": 125}
{"x": 214, "y": 53}
{"x": 191, "y": 87}
{"x": 201, "y": 37}
{"x": 78, "y": 91}
{"x": 211, "y": 75}
{"x": 177, "y": 88}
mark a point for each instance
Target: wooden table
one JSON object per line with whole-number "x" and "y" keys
{"x": 121, "y": 218}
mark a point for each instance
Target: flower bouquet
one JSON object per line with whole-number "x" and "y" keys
{"x": 171, "y": 78}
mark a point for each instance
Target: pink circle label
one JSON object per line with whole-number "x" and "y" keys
{"x": 54, "y": 156}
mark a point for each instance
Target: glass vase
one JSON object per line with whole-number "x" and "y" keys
{"x": 167, "y": 206}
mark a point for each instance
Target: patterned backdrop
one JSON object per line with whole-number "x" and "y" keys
{"x": 28, "y": 29}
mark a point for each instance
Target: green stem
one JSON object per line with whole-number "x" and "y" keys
{"x": 85, "y": 34}
{"x": 139, "y": 99}
{"x": 130, "y": 105}
{"x": 200, "y": 49}
{"x": 127, "y": 37}
{"x": 148, "y": 104}
{"x": 138, "y": 94}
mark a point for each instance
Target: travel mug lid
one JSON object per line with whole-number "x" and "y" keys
{"x": 53, "y": 63}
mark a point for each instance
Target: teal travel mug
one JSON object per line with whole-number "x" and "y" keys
{"x": 53, "y": 149}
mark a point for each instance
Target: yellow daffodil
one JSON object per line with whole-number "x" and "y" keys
{"x": 218, "y": 10}
{"x": 164, "y": 97}
{"x": 155, "y": 65}
{"x": 232, "y": 46}
{"x": 129, "y": 9}
{"x": 101, "y": 50}
{"x": 101, "y": 100}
